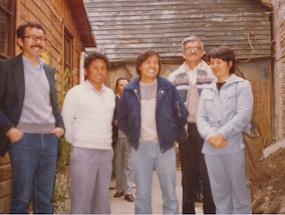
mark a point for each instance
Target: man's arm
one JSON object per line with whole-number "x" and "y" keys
{"x": 5, "y": 123}
{"x": 122, "y": 114}
{"x": 180, "y": 114}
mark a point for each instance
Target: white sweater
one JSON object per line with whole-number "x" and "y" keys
{"x": 88, "y": 115}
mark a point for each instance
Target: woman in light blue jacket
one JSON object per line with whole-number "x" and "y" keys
{"x": 224, "y": 112}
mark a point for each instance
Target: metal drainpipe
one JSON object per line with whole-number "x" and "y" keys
{"x": 81, "y": 69}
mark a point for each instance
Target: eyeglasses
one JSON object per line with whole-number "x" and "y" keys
{"x": 33, "y": 38}
{"x": 192, "y": 49}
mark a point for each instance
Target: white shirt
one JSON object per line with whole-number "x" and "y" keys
{"x": 88, "y": 115}
{"x": 192, "y": 74}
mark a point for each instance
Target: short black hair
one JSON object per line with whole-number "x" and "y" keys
{"x": 225, "y": 53}
{"x": 94, "y": 56}
{"x": 21, "y": 29}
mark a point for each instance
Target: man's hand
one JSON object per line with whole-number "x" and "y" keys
{"x": 58, "y": 131}
{"x": 116, "y": 123}
{"x": 14, "y": 135}
{"x": 182, "y": 136}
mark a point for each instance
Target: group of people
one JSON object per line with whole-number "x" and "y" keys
{"x": 203, "y": 107}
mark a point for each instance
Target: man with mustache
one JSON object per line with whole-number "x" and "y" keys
{"x": 30, "y": 121}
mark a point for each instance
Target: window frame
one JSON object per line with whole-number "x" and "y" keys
{"x": 9, "y": 31}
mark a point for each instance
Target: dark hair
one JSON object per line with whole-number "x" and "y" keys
{"x": 143, "y": 56}
{"x": 225, "y": 53}
{"x": 94, "y": 56}
{"x": 21, "y": 29}
{"x": 118, "y": 80}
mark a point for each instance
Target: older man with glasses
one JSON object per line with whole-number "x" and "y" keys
{"x": 189, "y": 79}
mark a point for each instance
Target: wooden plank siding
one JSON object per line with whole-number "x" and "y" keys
{"x": 123, "y": 28}
{"x": 279, "y": 70}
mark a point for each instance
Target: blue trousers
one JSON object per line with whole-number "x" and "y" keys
{"x": 227, "y": 175}
{"x": 33, "y": 160}
{"x": 145, "y": 159}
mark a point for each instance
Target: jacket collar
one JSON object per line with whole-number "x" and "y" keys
{"x": 135, "y": 83}
{"x": 230, "y": 80}
{"x": 184, "y": 68}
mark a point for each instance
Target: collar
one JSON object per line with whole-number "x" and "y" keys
{"x": 230, "y": 80}
{"x": 195, "y": 69}
{"x": 162, "y": 83}
{"x": 90, "y": 86}
{"x": 27, "y": 62}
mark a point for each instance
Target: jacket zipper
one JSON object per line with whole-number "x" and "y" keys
{"x": 136, "y": 93}
{"x": 179, "y": 113}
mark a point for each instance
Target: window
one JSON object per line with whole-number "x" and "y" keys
{"x": 7, "y": 34}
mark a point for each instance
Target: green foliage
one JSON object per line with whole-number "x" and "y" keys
{"x": 61, "y": 196}
{"x": 63, "y": 159}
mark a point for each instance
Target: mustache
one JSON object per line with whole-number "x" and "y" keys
{"x": 37, "y": 46}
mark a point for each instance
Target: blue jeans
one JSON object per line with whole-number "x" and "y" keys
{"x": 147, "y": 157}
{"x": 33, "y": 160}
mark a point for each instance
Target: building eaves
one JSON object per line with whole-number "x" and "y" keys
{"x": 82, "y": 23}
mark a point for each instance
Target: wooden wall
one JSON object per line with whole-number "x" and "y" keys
{"x": 57, "y": 18}
{"x": 279, "y": 69}
{"x": 5, "y": 184}
{"x": 123, "y": 28}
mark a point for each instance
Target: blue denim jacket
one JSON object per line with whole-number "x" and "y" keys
{"x": 227, "y": 112}
{"x": 171, "y": 113}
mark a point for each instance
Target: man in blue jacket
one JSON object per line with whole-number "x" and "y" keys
{"x": 152, "y": 116}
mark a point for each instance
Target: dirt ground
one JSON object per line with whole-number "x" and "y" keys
{"x": 268, "y": 195}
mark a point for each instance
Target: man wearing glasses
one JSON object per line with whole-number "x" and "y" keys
{"x": 189, "y": 79}
{"x": 30, "y": 121}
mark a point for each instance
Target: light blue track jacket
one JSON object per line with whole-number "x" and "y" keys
{"x": 227, "y": 112}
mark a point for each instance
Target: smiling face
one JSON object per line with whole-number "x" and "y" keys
{"x": 220, "y": 68}
{"x": 31, "y": 47}
{"x": 149, "y": 69}
{"x": 192, "y": 52}
{"x": 97, "y": 73}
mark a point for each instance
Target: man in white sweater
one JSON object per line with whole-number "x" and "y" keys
{"x": 88, "y": 113}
